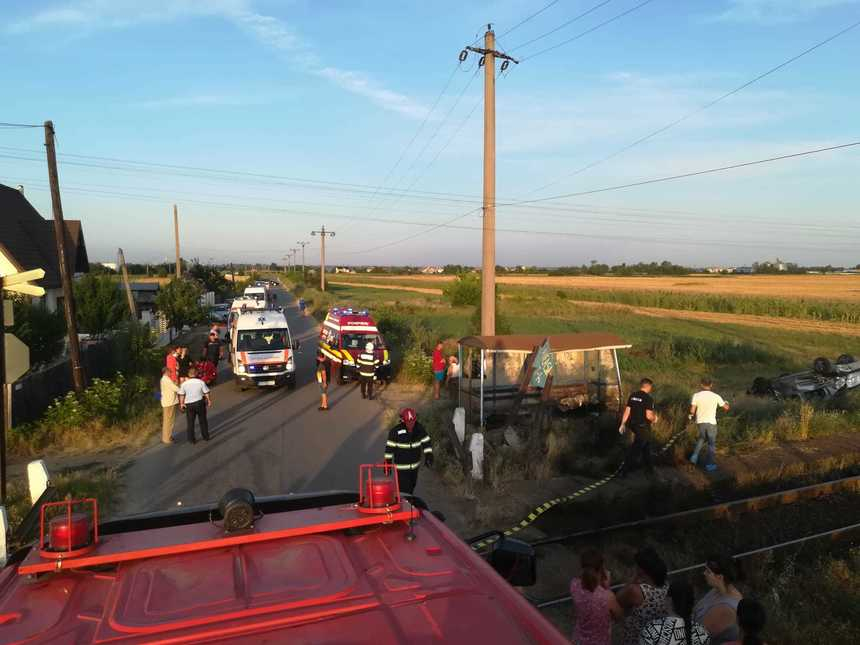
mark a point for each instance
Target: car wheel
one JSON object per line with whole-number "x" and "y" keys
{"x": 822, "y": 366}
{"x": 845, "y": 359}
{"x": 760, "y": 386}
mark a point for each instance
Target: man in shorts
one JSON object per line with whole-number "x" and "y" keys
{"x": 323, "y": 378}
{"x": 439, "y": 369}
{"x": 703, "y": 407}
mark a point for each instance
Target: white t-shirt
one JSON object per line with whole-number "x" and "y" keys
{"x": 193, "y": 390}
{"x": 706, "y": 403}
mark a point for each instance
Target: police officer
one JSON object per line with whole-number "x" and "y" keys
{"x": 367, "y": 365}
{"x": 407, "y": 442}
{"x": 638, "y": 416}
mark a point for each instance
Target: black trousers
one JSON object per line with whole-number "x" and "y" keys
{"x": 640, "y": 449}
{"x": 196, "y": 410}
{"x": 366, "y": 386}
{"x": 407, "y": 480}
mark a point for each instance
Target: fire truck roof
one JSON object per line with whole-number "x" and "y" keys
{"x": 297, "y": 576}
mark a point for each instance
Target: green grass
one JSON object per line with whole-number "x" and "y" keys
{"x": 675, "y": 353}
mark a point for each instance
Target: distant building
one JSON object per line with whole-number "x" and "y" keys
{"x": 144, "y": 294}
{"x": 432, "y": 270}
{"x": 343, "y": 270}
{"x": 109, "y": 265}
{"x": 742, "y": 270}
{"x": 28, "y": 240}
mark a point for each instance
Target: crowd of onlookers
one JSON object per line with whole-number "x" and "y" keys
{"x": 651, "y": 609}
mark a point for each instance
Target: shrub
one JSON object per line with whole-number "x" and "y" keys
{"x": 135, "y": 350}
{"x": 100, "y": 304}
{"x": 465, "y": 290}
{"x": 562, "y": 294}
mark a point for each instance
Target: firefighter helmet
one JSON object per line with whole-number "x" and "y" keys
{"x": 408, "y": 416}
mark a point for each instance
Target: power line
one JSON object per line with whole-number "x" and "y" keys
{"x": 20, "y": 125}
{"x": 527, "y": 18}
{"x": 563, "y": 25}
{"x": 702, "y": 108}
{"x": 449, "y": 223}
{"x": 587, "y": 31}
{"x": 418, "y": 131}
{"x": 696, "y": 173}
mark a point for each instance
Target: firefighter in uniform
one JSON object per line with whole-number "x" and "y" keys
{"x": 367, "y": 365}
{"x": 407, "y": 442}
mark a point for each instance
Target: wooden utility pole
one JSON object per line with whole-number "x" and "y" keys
{"x": 176, "y": 237}
{"x": 303, "y": 245}
{"x": 65, "y": 270}
{"x": 322, "y": 233}
{"x": 488, "y": 245}
{"x": 131, "y": 307}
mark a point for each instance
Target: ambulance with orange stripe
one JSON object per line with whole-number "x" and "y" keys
{"x": 343, "y": 336}
{"x": 262, "y": 350}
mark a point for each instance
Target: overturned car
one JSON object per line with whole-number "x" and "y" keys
{"x": 825, "y": 380}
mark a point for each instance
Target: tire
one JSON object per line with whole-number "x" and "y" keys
{"x": 760, "y": 386}
{"x": 291, "y": 384}
{"x": 844, "y": 359}
{"x": 822, "y": 366}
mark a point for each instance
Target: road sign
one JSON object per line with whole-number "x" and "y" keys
{"x": 20, "y": 282}
{"x": 543, "y": 366}
{"x": 17, "y": 358}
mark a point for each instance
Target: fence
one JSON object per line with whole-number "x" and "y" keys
{"x": 32, "y": 395}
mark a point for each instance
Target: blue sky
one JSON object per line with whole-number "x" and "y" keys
{"x": 334, "y": 91}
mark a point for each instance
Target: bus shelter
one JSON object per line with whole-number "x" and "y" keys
{"x": 494, "y": 372}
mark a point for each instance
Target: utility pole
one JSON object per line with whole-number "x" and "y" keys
{"x": 63, "y": 263}
{"x": 303, "y": 245}
{"x": 488, "y": 245}
{"x": 293, "y": 254}
{"x": 322, "y": 233}
{"x": 176, "y": 237}
{"x": 121, "y": 260}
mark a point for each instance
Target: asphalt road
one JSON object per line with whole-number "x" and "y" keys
{"x": 271, "y": 441}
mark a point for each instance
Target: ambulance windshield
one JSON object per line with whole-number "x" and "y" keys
{"x": 262, "y": 340}
{"x": 358, "y": 341}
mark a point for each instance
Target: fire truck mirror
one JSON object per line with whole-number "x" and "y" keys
{"x": 515, "y": 561}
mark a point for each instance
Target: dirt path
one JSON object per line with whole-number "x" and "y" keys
{"x": 793, "y": 324}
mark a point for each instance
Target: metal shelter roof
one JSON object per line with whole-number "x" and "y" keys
{"x": 558, "y": 342}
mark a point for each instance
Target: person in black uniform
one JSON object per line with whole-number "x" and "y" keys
{"x": 212, "y": 350}
{"x": 407, "y": 442}
{"x": 638, "y": 416}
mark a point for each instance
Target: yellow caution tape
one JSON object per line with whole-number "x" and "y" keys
{"x": 590, "y": 488}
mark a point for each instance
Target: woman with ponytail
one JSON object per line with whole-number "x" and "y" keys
{"x": 678, "y": 627}
{"x": 751, "y": 620}
{"x": 593, "y": 603}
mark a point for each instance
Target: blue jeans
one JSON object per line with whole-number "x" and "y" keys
{"x": 707, "y": 433}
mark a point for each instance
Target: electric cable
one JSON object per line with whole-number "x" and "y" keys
{"x": 563, "y": 25}
{"x": 530, "y": 17}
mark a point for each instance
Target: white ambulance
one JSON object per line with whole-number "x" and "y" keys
{"x": 257, "y": 297}
{"x": 262, "y": 350}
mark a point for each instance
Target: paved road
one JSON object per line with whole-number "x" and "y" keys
{"x": 270, "y": 441}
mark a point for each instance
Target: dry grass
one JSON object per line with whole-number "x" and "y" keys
{"x": 825, "y": 287}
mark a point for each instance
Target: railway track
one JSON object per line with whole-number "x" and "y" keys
{"x": 775, "y": 521}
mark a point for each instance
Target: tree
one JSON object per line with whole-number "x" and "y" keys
{"x": 465, "y": 290}
{"x": 179, "y": 302}
{"x": 210, "y": 278}
{"x": 100, "y": 304}
{"x": 41, "y": 330}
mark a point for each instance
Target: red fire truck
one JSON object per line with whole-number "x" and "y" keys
{"x": 339, "y": 567}
{"x": 343, "y": 336}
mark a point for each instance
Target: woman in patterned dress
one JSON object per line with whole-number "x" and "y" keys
{"x": 677, "y": 628}
{"x": 643, "y": 599}
{"x": 594, "y": 604}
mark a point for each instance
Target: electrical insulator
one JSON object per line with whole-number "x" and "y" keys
{"x": 505, "y": 64}
{"x": 463, "y": 55}
{"x": 481, "y": 61}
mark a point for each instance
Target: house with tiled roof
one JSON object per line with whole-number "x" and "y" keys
{"x": 28, "y": 240}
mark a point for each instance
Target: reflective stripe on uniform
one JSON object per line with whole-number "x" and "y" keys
{"x": 408, "y": 466}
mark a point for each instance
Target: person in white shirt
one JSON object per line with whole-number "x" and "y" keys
{"x": 169, "y": 401}
{"x": 703, "y": 407}
{"x": 194, "y": 400}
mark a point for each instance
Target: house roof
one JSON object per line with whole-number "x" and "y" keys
{"x": 557, "y": 342}
{"x": 29, "y": 238}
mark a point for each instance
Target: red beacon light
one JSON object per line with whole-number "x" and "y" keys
{"x": 73, "y": 528}
{"x": 379, "y": 489}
